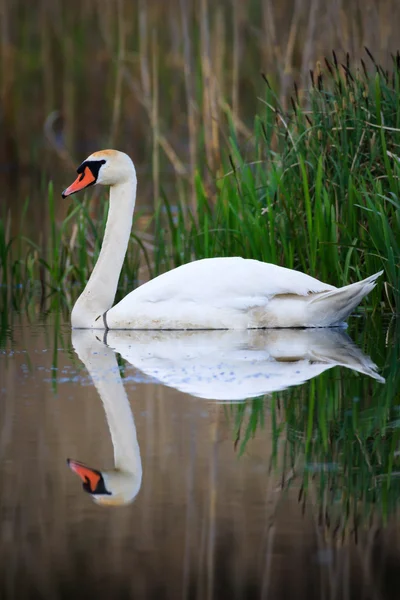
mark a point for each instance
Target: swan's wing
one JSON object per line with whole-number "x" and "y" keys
{"x": 230, "y": 282}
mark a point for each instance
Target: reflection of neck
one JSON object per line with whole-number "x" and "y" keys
{"x": 99, "y": 293}
{"x": 102, "y": 366}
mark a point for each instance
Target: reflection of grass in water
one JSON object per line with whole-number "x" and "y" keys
{"x": 315, "y": 190}
{"x": 337, "y": 439}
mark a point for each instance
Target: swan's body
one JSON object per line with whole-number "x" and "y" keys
{"x": 215, "y": 293}
{"x": 121, "y": 484}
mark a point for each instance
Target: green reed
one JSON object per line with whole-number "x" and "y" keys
{"x": 314, "y": 189}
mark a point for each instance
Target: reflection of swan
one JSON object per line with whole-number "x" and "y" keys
{"x": 220, "y": 365}
{"x": 120, "y": 485}
{"x": 234, "y": 365}
{"x": 213, "y": 293}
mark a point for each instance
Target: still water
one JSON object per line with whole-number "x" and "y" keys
{"x": 225, "y": 464}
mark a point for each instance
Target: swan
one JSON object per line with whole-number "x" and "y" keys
{"x": 212, "y": 293}
{"x": 120, "y": 485}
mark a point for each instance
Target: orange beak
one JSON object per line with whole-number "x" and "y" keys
{"x": 88, "y": 475}
{"x": 86, "y": 178}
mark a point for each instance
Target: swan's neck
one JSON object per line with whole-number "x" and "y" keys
{"x": 99, "y": 293}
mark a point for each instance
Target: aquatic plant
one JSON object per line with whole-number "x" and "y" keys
{"x": 314, "y": 189}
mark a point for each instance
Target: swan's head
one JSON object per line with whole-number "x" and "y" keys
{"x": 107, "y": 167}
{"x": 107, "y": 488}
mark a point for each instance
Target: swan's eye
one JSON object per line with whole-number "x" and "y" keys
{"x": 93, "y": 165}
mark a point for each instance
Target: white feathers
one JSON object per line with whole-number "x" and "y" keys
{"x": 235, "y": 293}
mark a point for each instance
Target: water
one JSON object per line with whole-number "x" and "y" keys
{"x": 288, "y": 495}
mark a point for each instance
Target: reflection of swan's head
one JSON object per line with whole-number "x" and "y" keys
{"x": 107, "y": 488}
{"x": 107, "y": 167}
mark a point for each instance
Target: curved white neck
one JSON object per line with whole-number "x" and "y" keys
{"x": 99, "y": 293}
{"x": 101, "y": 363}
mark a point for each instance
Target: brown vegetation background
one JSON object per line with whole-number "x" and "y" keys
{"x": 158, "y": 79}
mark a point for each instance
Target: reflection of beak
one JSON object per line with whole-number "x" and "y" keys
{"x": 89, "y": 476}
{"x": 86, "y": 178}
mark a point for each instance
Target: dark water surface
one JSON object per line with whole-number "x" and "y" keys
{"x": 290, "y": 494}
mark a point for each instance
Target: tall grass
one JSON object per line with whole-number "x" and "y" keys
{"x": 314, "y": 188}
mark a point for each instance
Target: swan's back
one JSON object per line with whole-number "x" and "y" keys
{"x": 226, "y": 278}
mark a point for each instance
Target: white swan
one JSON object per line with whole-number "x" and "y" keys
{"x": 214, "y": 293}
{"x": 120, "y": 485}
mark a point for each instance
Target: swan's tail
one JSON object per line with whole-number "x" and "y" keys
{"x": 330, "y": 309}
